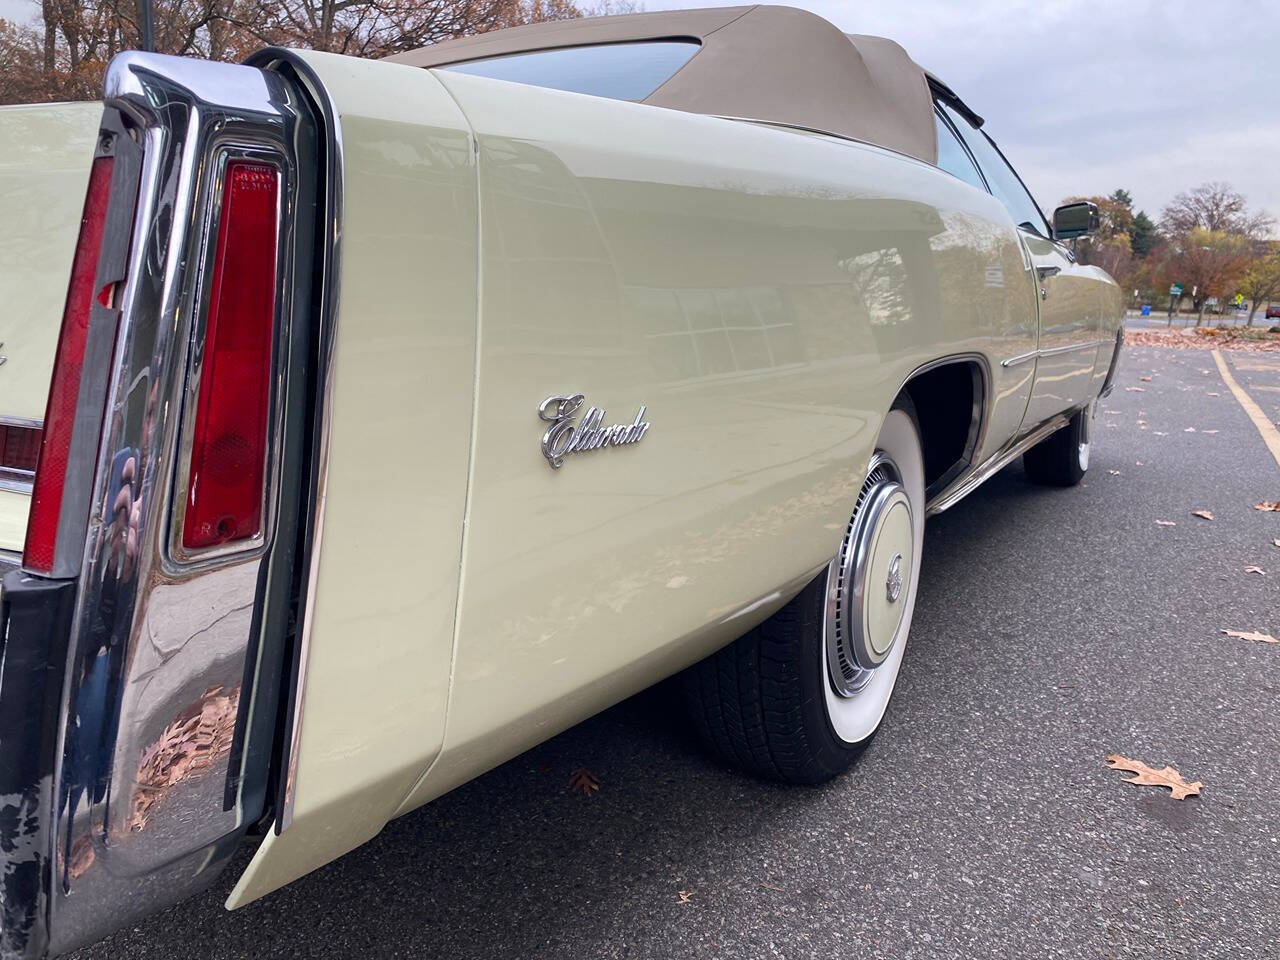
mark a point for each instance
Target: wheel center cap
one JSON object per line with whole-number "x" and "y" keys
{"x": 893, "y": 584}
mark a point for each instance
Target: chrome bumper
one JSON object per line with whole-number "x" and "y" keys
{"x": 139, "y": 688}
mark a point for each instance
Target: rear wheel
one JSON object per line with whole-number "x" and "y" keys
{"x": 799, "y": 697}
{"x": 1061, "y": 459}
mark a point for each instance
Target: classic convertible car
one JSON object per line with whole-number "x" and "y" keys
{"x": 366, "y": 423}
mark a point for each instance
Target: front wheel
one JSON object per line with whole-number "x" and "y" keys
{"x": 1061, "y": 459}
{"x": 798, "y": 698}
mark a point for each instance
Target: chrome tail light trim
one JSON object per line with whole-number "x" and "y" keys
{"x": 328, "y": 259}
{"x": 167, "y": 723}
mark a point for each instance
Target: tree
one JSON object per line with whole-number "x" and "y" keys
{"x": 1109, "y": 247}
{"x": 1212, "y": 262}
{"x": 64, "y": 56}
{"x": 1216, "y": 207}
{"x": 1144, "y": 237}
{"x": 1262, "y": 281}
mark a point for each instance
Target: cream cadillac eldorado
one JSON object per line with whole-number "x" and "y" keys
{"x": 367, "y": 423}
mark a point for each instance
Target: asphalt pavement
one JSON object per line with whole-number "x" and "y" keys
{"x": 1054, "y": 627}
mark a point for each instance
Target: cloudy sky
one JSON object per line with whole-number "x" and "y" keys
{"x": 1089, "y": 95}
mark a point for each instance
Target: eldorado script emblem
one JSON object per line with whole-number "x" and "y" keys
{"x": 564, "y": 436}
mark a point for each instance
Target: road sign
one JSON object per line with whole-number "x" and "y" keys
{"x": 1175, "y": 290}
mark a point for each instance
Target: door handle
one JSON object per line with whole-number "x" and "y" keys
{"x": 1043, "y": 273}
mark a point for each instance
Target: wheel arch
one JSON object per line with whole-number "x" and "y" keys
{"x": 951, "y": 396}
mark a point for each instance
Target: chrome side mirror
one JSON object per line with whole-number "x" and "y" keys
{"x": 1075, "y": 220}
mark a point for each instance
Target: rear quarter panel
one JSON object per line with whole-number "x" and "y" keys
{"x": 764, "y": 293}
{"x": 377, "y": 667}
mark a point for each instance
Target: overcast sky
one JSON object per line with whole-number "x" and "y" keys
{"x": 1089, "y": 95}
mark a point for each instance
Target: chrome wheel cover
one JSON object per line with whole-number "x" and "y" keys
{"x": 865, "y": 601}
{"x": 856, "y": 704}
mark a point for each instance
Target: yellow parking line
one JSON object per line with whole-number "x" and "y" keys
{"x": 1270, "y": 435}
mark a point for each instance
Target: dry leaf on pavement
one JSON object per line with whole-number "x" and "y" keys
{"x": 1275, "y": 543}
{"x": 1255, "y": 569}
{"x": 1165, "y": 523}
{"x": 1145, "y": 379}
{"x": 1255, "y": 635}
{"x": 1202, "y": 514}
{"x": 584, "y": 780}
{"x": 685, "y": 896}
{"x": 1267, "y": 505}
{"x": 1150, "y": 777}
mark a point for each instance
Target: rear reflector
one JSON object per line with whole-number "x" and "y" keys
{"x": 229, "y": 441}
{"x": 60, "y": 413}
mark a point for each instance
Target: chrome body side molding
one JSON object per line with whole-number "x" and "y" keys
{"x": 970, "y": 482}
{"x": 1051, "y": 352}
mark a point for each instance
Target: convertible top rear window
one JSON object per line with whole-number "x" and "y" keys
{"x": 619, "y": 71}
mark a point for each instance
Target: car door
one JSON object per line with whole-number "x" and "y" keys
{"x": 1067, "y": 346}
{"x": 1011, "y": 375}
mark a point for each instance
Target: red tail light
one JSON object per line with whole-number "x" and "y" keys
{"x": 229, "y": 442}
{"x": 60, "y": 413}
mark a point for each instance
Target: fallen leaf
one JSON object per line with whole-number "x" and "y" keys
{"x": 1251, "y": 568}
{"x": 1165, "y": 523}
{"x": 1150, "y": 777}
{"x": 1275, "y": 543}
{"x": 1267, "y": 505}
{"x": 1145, "y": 379}
{"x": 1257, "y": 636}
{"x": 584, "y": 780}
{"x": 685, "y": 896}
{"x": 1202, "y": 514}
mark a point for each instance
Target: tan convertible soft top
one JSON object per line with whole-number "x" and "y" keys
{"x": 762, "y": 62}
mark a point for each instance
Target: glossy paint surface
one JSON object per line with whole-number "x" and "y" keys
{"x": 1071, "y": 310}
{"x": 377, "y": 674}
{"x": 764, "y": 294}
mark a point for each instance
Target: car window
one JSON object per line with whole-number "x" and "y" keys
{"x": 1004, "y": 183}
{"x": 619, "y": 71}
{"x": 952, "y": 156}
